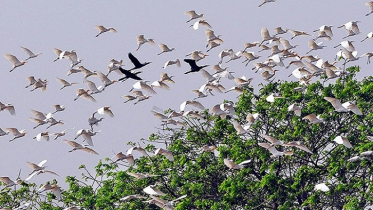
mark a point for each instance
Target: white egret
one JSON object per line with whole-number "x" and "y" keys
{"x": 65, "y": 83}
{"x": 322, "y": 187}
{"x": 14, "y": 60}
{"x": 165, "y": 48}
{"x": 370, "y": 5}
{"x": 172, "y": 62}
{"x": 342, "y": 140}
{"x": 312, "y": 44}
{"x": 200, "y": 22}
{"x": 84, "y": 93}
{"x": 58, "y": 108}
{"x": 77, "y": 146}
{"x": 232, "y": 165}
{"x": 298, "y": 33}
{"x": 153, "y": 190}
{"x": 30, "y": 53}
{"x": 16, "y": 133}
{"x": 193, "y": 15}
{"x": 168, "y": 154}
{"x": 313, "y": 119}
{"x": 142, "y": 40}
{"x": 192, "y": 103}
{"x": 9, "y": 107}
{"x": 102, "y": 29}
{"x": 368, "y": 36}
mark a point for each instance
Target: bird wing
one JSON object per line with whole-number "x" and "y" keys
{"x": 89, "y": 150}
{"x": 191, "y": 62}
{"x": 73, "y": 143}
{"x": 14, "y": 131}
{"x": 100, "y": 28}
{"x": 134, "y": 60}
{"x": 29, "y": 53}
{"x": 12, "y": 59}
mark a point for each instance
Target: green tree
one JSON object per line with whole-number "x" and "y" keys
{"x": 266, "y": 182}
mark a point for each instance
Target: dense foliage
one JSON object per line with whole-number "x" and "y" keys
{"x": 267, "y": 182}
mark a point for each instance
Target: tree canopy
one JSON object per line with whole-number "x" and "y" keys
{"x": 263, "y": 154}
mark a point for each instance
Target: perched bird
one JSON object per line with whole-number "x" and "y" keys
{"x": 141, "y": 40}
{"x": 14, "y": 60}
{"x": 77, "y": 146}
{"x": 193, "y": 15}
{"x": 193, "y": 66}
{"x": 165, "y": 48}
{"x": 102, "y": 29}
{"x": 30, "y": 54}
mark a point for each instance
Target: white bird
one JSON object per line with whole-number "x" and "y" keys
{"x": 102, "y": 29}
{"x": 313, "y": 119}
{"x": 351, "y": 28}
{"x": 140, "y": 176}
{"x": 168, "y": 154}
{"x": 272, "y": 149}
{"x": 56, "y": 190}
{"x": 266, "y": 37}
{"x": 105, "y": 110}
{"x": 84, "y": 93}
{"x": 322, "y": 187}
{"x": 165, "y": 48}
{"x": 346, "y": 45}
{"x": 370, "y": 5}
{"x": 336, "y": 104}
{"x": 348, "y": 56}
{"x": 14, "y": 60}
{"x": 42, "y": 84}
{"x": 37, "y": 167}
{"x": 211, "y": 45}
{"x": 120, "y": 157}
{"x": 210, "y": 34}
{"x": 58, "y": 108}
{"x": 140, "y": 96}
{"x": 130, "y": 197}
{"x": 312, "y": 44}
{"x": 152, "y": 190}
{"x": 62, "y": 133}
{"x": 298, "y": 33}
{"x": 266, "y": 1}
{"x": 17, "y": 134}
{"x": 41, "y": 135}
{"x": 280, "y": 30}
{"x": 200, "y": 22}
{"x": 342, "y": 140}
{"x": 40, "y": 172}
{"x": 235, "y": 56}
{"x": 351, "y": 106}
{"x": 296, "y": 109}
{"x": 172, "y": 62}
{"x": 241, "y": 130}
{"x": 7, "y": 181}
{"x": 165, "y": 78}
{"x": 30, "y": 54}
{"x": 327, "y": 29}
{"x": 298, "y": 145}
{"x": 141, "y": 40}
{"x": 9, "y": 107}
{"x": 77, "y": 146}
{"x": 193, "y": 15}
{"x": 268, "y": 73}
{"x": 65, "y": 83}
{"x": 286, "y": 44}
{"x": 31, "y": 80}
{"x": 232, "y": 165}
{"x": 273, "y": 141}
{"x": 160, "y": 84}
{"x": 138, "y": 149}
{"x": 271, "y": 98}
{"x": 93, "y": 88}
{"x": 141, "y": 85}
{"x": 192, "y": 103}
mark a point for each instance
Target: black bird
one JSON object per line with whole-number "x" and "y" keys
{"x": 129, "y": 74}
{"x": 136, "y": 62}
{"x": 193, "y": 66}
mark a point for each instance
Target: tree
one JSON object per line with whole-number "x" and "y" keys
{"x": 275, "y": 175}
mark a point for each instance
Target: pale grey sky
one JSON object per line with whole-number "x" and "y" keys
{"x": 67, "y": 25}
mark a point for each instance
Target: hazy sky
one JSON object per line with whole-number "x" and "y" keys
{"x": 69, "y": 25}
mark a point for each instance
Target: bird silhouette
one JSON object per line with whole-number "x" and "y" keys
{"x": 136, "y": 62}
{"x": 129, "y": 74}
{"x": 193, "y": 66}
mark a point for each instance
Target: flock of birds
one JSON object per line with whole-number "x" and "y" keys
{"x": 280, "y": 49}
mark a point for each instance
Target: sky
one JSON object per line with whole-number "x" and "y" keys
{"x": 69, "y": 25}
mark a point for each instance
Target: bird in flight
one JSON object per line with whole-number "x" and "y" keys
{"x": 193, "y": 66}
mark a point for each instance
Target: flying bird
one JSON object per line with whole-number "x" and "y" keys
{"x": 14, "y": 60}
{"x": 102, "y": 29}
{"x": 30, "y": 53}
{"x": 141, "y": 40}
{"x": 193, "y": 66}
{"x": 193, "y": 15}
